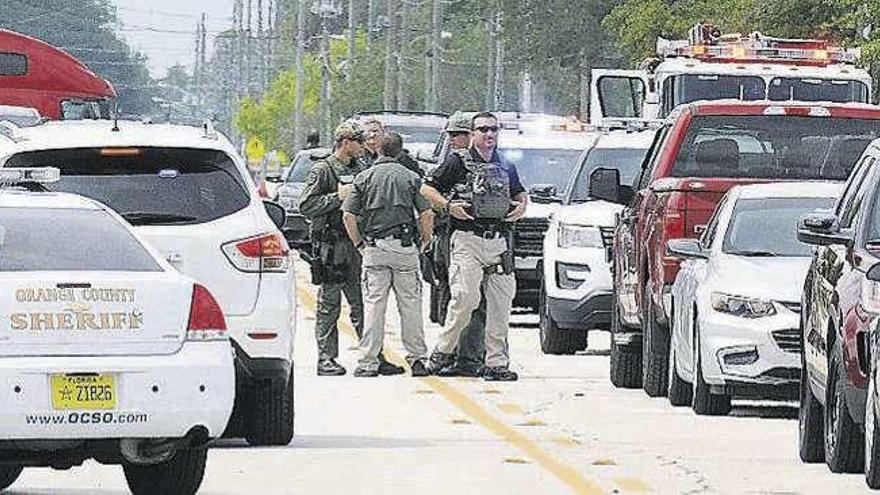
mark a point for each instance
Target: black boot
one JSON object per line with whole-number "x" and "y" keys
{"x": 329, "y": 367}
{"x": 457, "y": 369}
{"x": 499, "y": 374}
{"x": 419, "y": 368}
{"x": 388, "y": 369}
{"x": 440, "y": 360}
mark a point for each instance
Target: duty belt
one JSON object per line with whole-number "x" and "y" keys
{"x": 486, "y": 231}
{"x": 405, "y": 233}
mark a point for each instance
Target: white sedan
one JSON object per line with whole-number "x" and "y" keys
{"x": 736, "y": 299}
{"x": 108, "y": 352}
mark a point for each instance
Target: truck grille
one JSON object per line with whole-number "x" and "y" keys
{"x": 788, "y": 340}
{"x": 607, "y": 236}
{"x": 529, "y": 236}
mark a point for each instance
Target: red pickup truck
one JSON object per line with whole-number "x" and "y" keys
{"x": 705, "y": 149}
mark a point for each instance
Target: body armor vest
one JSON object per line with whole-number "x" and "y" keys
{"x": 487, "y": 188}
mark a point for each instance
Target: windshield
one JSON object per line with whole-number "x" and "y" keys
{"x": 768, "y": 226}
{"x": 695, "y": 87}
{"x": 774, "y": 147}
{"x": 148, "y": 186}
{"x": 92, "y": 240}
{"x": 415, "y": 134}
{"x": 542, "y": 166}
{"x": 627, "y": 160}
{"x": 299, "y": 169}
{"x": 790, "y": 88}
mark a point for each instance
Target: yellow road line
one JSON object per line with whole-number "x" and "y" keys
{"x": 571, "y": 477}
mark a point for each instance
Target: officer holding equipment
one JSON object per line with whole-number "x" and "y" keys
{"x": 387, "y": 198}
{"x": 336, "y": 265}
{"x": 486, "y": 196}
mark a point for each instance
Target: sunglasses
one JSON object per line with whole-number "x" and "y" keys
{"x": 487, "y": 128}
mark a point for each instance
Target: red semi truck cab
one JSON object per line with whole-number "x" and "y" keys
{"x": 704, "y": 149}
{"x": 37, "y": 75}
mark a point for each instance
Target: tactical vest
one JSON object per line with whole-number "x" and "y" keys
{"x": 487, "y": 188}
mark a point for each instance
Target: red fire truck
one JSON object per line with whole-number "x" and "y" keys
{"x": 37, "y": 75}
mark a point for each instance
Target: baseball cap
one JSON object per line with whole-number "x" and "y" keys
{"x": 348, "y": 130}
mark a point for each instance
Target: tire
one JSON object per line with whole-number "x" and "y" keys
{"x": 8, "y": 475}
{"x": 872, "y": 436}
{"x": 655, "y": 351}
{"x": 680, "y": 392}
{"x": 553, "y": 339}
{"x": 705, "y": 403}
{"x": 626, "y": 362}
{"x": 181, "y": 475}
{"x": 811, "y": 428}
{"x": 272, "y": 412}
{"x": 844, "y": 443}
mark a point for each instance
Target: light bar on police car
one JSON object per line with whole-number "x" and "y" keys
{"x": 40, "y": 175}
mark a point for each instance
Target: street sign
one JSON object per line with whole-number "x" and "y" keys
{"x": 255, "y": 149}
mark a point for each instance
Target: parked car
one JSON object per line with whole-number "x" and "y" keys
{"x": 840, "y": 308}
{"x": 108, "y": 351}
{"x": 188, "y": 193}
{"x": 706, "y": 148}
{"x": 736, "y": 299}
{"x": 296, "y": 229}
{"x": 575, "y": 293}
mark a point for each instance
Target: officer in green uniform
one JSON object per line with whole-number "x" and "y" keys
{"x": 336, "y": 265}
{"x": 480, "y": 247}
{"x": 387, "y": 198}
{"x": 373, "y": 132}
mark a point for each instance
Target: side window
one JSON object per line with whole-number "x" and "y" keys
{"x": 852, "y": 206}
{"x": 650, "y": 158}
{"x": 668, "y": 96}
{"x": 852, "y": 185}
{"x": 712, "y": 229}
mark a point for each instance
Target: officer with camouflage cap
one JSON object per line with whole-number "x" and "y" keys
{"x": 336, "y": 265}
{"x": 387, "y": 199}
{"x": 486, "y": 196}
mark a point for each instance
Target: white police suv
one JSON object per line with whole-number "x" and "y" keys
{"x": 108, "y": 351}
{"x": 575, "y": 294}
{"x": 187, "y": 192}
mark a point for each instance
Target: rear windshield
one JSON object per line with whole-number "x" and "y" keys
{"x": 149, "y": 186}
{"x": 774, "y": 147}
{"x": 768, "y": 227}
{"x": 299, "y": 169}
{"x": 542, "y": 166}
{"x": 38, "y": 239}
{"x": 694, "y": 87}
{"x": 627, "y": 160}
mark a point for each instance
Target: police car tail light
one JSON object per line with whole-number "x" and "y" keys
{"x": 41, "y": 175}
{"x": 265, "y": 253}
{"x": 206, "y": 321}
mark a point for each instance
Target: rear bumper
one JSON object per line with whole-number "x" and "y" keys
{"x": 157, "y": 396}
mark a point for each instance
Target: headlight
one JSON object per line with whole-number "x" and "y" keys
{"x": 743, "y": 307}
{"x": 571, "y": 236}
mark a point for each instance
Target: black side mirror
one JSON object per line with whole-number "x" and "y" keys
{"x": 543, "y": 193}
{"x": 605, "y": 184}
{"x": 822, "y": 229}
{"x": 873, "y": 273}
{"x": 276, "y": 212}
{"x": 687, "y": 248}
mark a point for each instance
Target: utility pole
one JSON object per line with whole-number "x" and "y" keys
{"x": 371, "y": 20}
{"x": 326, "y": 9}
{"x": 298, "y": 63}
{"x": 270, "y": 42}
{"x": 351, "y": 40}
{"x": 203, "y": 66}
{"x": 490, "y": 63}
{"x": 435, "y": 56}
{"x": 498, "y": 78}
{"x": 390, "y": 58}
{"x": 196, "y": 83}
{"x": 402, "y": 42}
{"x": 248, "y": 54}
{"x": 261, "y": 51}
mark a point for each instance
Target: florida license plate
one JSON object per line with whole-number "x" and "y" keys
{"x": 84, "y": 391}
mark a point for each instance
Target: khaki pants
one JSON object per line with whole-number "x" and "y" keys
{"x": 470, "y": 255}
{"x": 389, "y": 265}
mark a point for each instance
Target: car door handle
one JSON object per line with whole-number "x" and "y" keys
{"x": 174, "y": 257}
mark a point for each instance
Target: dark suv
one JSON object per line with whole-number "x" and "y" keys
{"x": 840, "y": 308}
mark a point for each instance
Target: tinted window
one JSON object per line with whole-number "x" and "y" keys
{"x": 621, "y": 96}
{"x": 774, "y": 147}
{"x": 85, "y": 109}
{"x": 149, "y": 186}
{"x": 791, "y": 88}
{"x": 768, "y": 227}
{"x": 414, "y": 134}
{"x": 694, "y": 87}
{"x": 37, "y": 239}
{"x": 542, "y": 166}
{"x": 627, "y": 160}
{"x": 299, "y": 169}
{"x": 13, "y": 64}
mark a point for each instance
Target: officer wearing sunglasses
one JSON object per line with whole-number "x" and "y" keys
{"x": 484, "y": 196}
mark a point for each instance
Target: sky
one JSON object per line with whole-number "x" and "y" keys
{"x": 164, "y": 30}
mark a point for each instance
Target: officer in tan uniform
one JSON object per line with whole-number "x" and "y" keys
{"x": 486, "y": 198}
{"x": 387, "y": 199}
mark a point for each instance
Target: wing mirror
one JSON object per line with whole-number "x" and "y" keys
{"x": 276, "y": 212}
{"x": 543, "y": 193}
{"x": 605, "y": 184}
{"x": 687, "y": 248}
{"x": 823, "y": 229}
{"x": 873, "y": 273}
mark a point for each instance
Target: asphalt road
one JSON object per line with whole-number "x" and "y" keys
{"x": 561, "y": 429}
